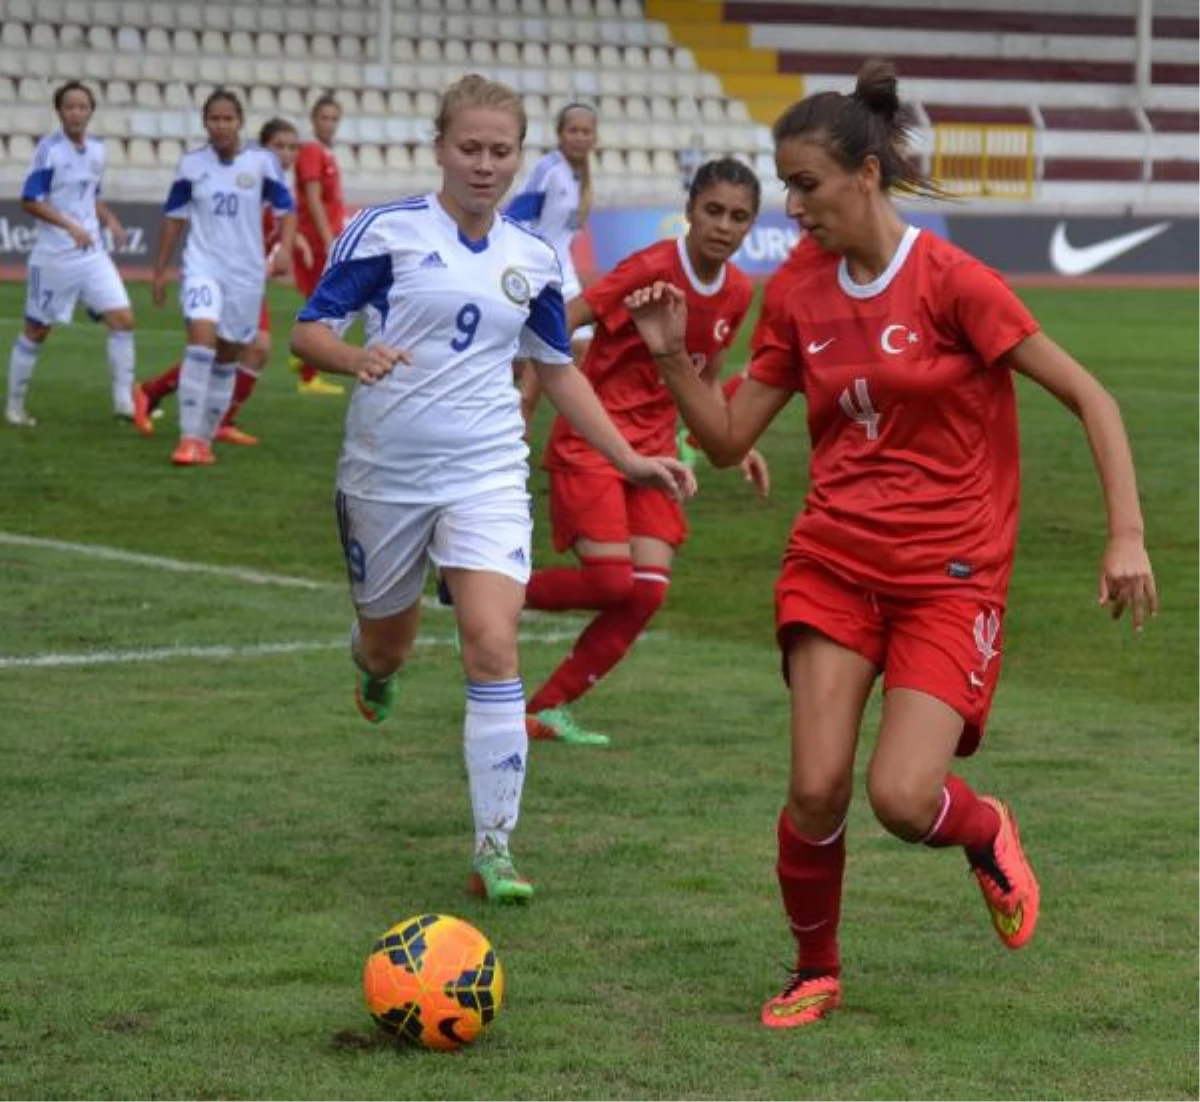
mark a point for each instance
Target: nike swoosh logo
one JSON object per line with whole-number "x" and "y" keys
{"x": 1069, "y": 260}
{"x": 814, "y": 348}
{"x": 788, "y": 1010}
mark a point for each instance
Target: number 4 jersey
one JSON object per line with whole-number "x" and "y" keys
{"x": 915, "y": 468}
{"x": 447, "y": 425}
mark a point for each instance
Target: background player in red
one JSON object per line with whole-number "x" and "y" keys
{"x": 321, "y": 215}
{"x": 282, "y": 138}
{"x": 905, "y": 348}
{"x": 626, "y": 536}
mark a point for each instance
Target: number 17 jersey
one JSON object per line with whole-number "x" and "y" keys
{"x": 915, "y": 461}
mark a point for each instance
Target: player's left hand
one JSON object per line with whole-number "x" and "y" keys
{"x": 305, "y": 250}
{"x": 755, "y": 470}
{"x": 281, "y": 262}
{"x": 660, "y": 314}
{"x": 664, "y": 474}
{"x": 1127, "y": 581}
{"x": 119, "y": 236}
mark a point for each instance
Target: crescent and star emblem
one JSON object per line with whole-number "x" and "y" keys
{"x": 889, "y": 334}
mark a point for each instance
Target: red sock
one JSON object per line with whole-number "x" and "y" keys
{"x": 243, "y": 387}
{"x": 604, "y": 642}
{"x": 595, "y": 583}
{"x": 964, "y": 820}
{"x": 162, "y": 385}
{"x": 810, "y": 880}
{"x": 307, "y": 374}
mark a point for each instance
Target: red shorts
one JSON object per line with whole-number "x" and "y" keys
{"x": 948, "y": 647}
{"x": 307, "y": 276}
{"x": 264, "y": 317}
{"x": 604, "y": 508}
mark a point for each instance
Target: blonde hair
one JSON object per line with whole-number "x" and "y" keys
{"x": 476, "y": 91}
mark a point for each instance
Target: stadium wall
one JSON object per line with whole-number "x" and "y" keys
{"x": 1023, "y": 247}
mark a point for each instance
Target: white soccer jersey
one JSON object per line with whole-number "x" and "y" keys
{"x": 449, "y": 424}
{"x": 224, "y": 201}
{"x": 548, "y": 203}
{"x": 67, "y": 177}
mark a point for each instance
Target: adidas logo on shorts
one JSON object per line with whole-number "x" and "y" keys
{"x": 518, "y": 555}
{"x": 433, "y": 260}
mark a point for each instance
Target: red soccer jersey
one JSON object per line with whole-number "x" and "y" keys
{"x": 915, "y": 464}
{"x": 316, "y": 162}
{"x": 621, "y": 369}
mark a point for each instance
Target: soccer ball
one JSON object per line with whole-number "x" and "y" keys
{"x": 433, "y": 980}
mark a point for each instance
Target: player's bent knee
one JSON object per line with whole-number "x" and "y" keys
{"x": 647, "y": 596}
{"x": 903, "y": 806}
{"x": 817, "y": 805}
{"x": 119, "y": 320}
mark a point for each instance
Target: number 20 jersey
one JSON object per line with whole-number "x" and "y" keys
{"x": 447, "y": 425}
{"x": 914, "y": 474}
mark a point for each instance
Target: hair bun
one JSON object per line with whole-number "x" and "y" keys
{"x": 876, "y": 88}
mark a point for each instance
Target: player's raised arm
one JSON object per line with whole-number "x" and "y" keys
{"x": 726, "y": 431}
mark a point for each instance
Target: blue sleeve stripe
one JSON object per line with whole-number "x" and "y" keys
{"x": 179, "y": 196}
{"x": 41, "y": 155}
{"x": 347, "y": 286}
{"x": 276, "y": 193}
{"x": 548, "y": 319}
{"x": 527, "y": 207}
{"x": 37, "y": 184}
{"x": 345, "y": 245}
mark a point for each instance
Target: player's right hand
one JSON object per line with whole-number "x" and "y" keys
{"x": 660, "y": 314}
{"x": 376, "y": 362}
{"x": 663, "y": 473}
{"x": 81, "y": 237}
{"x": 158, "y": 289}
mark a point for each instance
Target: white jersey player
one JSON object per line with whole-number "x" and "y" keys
{"x": 69, "y": 260}
{"x": 556, "y": 198}
{"x": 433, "y": 466}
{"x": 219, "y": 192}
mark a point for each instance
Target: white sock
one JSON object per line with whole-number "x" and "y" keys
{"x": 193, "y": 388}
{"x": 495, "y": 747}
{"x": 120, "y": 365}
{"x": 20, "y": 369}
{"x": 221, "y": 381}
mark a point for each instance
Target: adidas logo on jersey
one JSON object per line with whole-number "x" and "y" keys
{"x": 433, "y": 260}
{"x": 518, "y": 555}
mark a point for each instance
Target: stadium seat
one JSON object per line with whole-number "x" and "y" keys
{"x": 114, "y": 150}
{"x": 242, "y": 45}
{"x": 189, "y": 16}
{"x": 272, "y": 19}
{"x": 141, "y": 153}
{"x": 268, "y": 44}
{"x": 32, "y": 90}
{"x": 397, "y": 159}
{"x": 8, "y": 90}
{"x": 162, "y": 15}
{"x": 15, "y": 36}
{"x": 262, "y": 98}
{"x": 370, "y": 159}
{"x": 168, "y": 152}
{"x": 146, "y": 94}
{"x": 185, "y": 41}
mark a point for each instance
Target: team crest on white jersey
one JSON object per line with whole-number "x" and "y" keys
{"x": 246, "y": 179}
{"x": 515, "y": 286}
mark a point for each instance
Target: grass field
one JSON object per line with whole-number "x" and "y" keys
{"x": 199, "y": 840}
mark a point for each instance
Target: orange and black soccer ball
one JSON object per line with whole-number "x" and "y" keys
{"x": 433, "y": 980}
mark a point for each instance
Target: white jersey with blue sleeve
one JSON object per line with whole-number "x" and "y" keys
{"x": 548, "y": 203}
{"x": 223, "y": 199}
{"x": 447, "y": 426}
{"x": 66, "y": 177}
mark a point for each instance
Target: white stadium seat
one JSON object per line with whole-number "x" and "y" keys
{"x": 141, "y": 153}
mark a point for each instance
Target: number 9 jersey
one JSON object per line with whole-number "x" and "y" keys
{"x": 448, "y": 425}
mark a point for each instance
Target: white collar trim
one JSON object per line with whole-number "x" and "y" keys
{"x": 880, "y": 284}
{"x": 705, "y": 289}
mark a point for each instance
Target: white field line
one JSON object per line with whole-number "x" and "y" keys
{"x": 222, "y": 652}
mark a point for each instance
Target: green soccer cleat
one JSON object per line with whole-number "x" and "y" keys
{"x": 375, "y": 696}
{"x": 688, "y": 455}
{"x": 565, "y": 728}
{"x": 495, "y": 877}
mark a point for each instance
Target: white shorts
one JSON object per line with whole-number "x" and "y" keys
{"x": 388, "y": 545}
{"x": 57, "y": 283}
{"x": 234, "y": 309}
{"x": 572, "y": 288}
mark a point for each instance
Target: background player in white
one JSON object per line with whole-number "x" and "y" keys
{"x": 69, "y": 260}
{"x": 221, "y": 189}
{"x": 434, "y": 464}
{"x": 555, "y": 201}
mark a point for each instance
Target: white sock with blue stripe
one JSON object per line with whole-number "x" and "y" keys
{"x": 495, "y": 747}
{"x": 121, "y": 367}
{"x": 220, "y": 393}
{"x": 20, "y": 370}
{"x": 193, "y": 389}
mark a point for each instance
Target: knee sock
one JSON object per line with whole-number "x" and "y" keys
{"x": 121, "y": 368}
{"x": 194, "y": 377}
{"x": 20, "y": 369}
{"x": 964, "y": 819}
{"x": 595, "y": 583}
{"x": 605, "y": 641}
{"x": 221, "y": 383}
{"x": 243, "y": 387}
{"x": 495, "y": 747}
{"x": 810, "y": 880}
{"x": 161, "y": 386}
